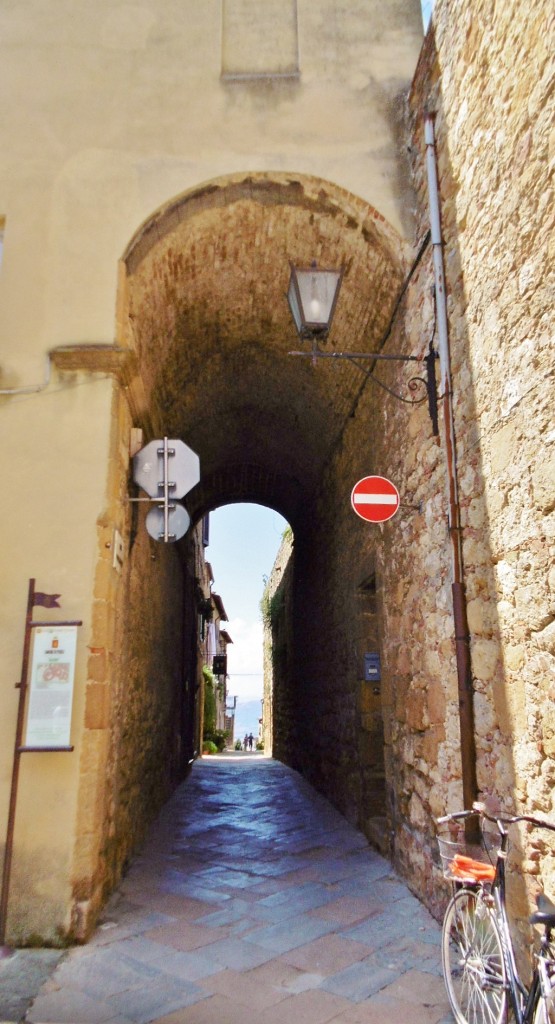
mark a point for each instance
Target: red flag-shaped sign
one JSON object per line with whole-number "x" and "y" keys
{"x": 46, "y": 600}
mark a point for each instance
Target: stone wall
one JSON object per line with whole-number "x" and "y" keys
{"x": 141, "y": 689}
{"x": 487, "y": 75}
{"x": 388, "y": 759}
{"x": 278, "y": 643}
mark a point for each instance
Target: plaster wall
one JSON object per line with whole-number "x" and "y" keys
{"x": 117, "y": 109}
{"x": 57, "y": 490}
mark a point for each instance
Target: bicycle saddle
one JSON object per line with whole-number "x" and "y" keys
{"x": 545, "y": 914}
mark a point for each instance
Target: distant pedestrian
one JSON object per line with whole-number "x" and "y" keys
{"x": 250, "y": 741}
{"x": 246, "y": 742}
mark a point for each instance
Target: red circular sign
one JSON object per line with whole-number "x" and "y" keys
{"x": 375, "y": 499}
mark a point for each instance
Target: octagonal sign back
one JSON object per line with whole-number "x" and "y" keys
{"x": 183, "y": 468}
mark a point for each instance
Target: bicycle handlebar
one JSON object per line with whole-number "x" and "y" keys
{"x": 499, "y": 820}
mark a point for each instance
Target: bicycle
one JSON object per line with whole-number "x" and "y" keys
{"x": 479, "y": 966}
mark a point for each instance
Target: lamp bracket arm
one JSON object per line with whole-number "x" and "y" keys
{"x": 362, "y": 355}
{"x": 428, "y": 382}
{"x": 371, "y": 376}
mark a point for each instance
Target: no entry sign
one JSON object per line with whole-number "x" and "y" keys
{"x": 375, "y": 499}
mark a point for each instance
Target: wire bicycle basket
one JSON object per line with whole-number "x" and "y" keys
{"x": 464, "y": 861}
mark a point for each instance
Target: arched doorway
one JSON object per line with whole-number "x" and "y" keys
{"x": 203, "y": 315}
{"x": 204, "y": 287}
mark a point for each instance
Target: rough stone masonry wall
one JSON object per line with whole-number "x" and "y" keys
{"x": 358, "y": 588}
{"x": 413, "y": 569}
{"x": 412, "y": 727}
{"x": 277, "y": 645}
{"x": 130, "y": 755}
{"x": 488, "y": 72}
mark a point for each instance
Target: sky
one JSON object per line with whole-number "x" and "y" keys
{"x": 427, "y": 6}
{"x": 243, "y": 543}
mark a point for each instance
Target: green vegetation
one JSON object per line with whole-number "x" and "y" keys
{"x": 272, "y": 607}
{"x": 215, "y": 737}
{"x": 265, "y": 609}
{"x": 219, "y": 737}
{"x": 209, "y": 680}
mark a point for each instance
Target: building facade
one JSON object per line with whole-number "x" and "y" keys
{"x": 163, "y": 164}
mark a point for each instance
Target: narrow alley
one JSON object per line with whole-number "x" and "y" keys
{"x": 253, "y": 899}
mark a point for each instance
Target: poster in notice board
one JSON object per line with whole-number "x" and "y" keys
{"x": 48, "y": 722}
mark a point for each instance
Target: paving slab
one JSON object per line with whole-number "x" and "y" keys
{"x": 21, "y": 976}
{"x": 252, "y": 899}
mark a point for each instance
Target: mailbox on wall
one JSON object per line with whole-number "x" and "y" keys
{"x": 372, "y": 670}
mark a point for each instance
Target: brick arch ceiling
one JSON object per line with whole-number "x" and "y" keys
{"x": 207, "y": 277}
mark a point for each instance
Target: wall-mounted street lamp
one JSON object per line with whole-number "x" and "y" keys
{"x": 312, "y": 297}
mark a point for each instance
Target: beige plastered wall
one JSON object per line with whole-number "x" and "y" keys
{"x": 55, "y": 462}
{"x": 118, "y": 108}
{"x": 114, "y": 109}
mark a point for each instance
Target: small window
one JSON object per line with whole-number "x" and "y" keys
{"x": 206, "y": 530}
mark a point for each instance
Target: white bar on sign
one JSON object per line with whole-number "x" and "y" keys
{"x": 375, "y": 499}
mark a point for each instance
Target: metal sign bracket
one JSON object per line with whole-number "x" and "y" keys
{"x": 168, "y": 521}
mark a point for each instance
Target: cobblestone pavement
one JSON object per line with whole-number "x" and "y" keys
{"x": 253, "y": 899}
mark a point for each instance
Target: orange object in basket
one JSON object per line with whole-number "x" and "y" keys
{"x": 466, "y": 867}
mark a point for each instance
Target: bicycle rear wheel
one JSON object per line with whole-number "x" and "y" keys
{"x": 544, "y": 1012}
{"x": 473, "y": 962}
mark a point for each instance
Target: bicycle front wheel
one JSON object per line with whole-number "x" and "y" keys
{"x": 473, "y": 962}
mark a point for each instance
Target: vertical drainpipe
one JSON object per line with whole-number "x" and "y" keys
{"x": 462, "y": 638}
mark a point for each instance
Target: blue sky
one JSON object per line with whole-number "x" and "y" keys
{"x": 427, "y": 6}
{"x": 244, "y": 541}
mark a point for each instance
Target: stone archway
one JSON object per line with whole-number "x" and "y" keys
{"x": 204, "y": 333}
{"x": 205, "y": 280}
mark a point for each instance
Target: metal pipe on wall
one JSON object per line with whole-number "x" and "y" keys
{"x": 462, "y": 636}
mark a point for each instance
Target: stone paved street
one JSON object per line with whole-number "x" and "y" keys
{"x": 253, "y": 899}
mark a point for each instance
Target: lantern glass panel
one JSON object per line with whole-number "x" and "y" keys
{"x": 293, "y": 300}
{"x": 317, "y": 291}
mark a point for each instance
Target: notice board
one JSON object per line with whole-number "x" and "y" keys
{"x": 48, "y": 721}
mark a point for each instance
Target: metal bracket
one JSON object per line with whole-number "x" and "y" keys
{"x": 414, "y": 508}
{"x": 168, "y": 521}
{"x": 428, "y": 381}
